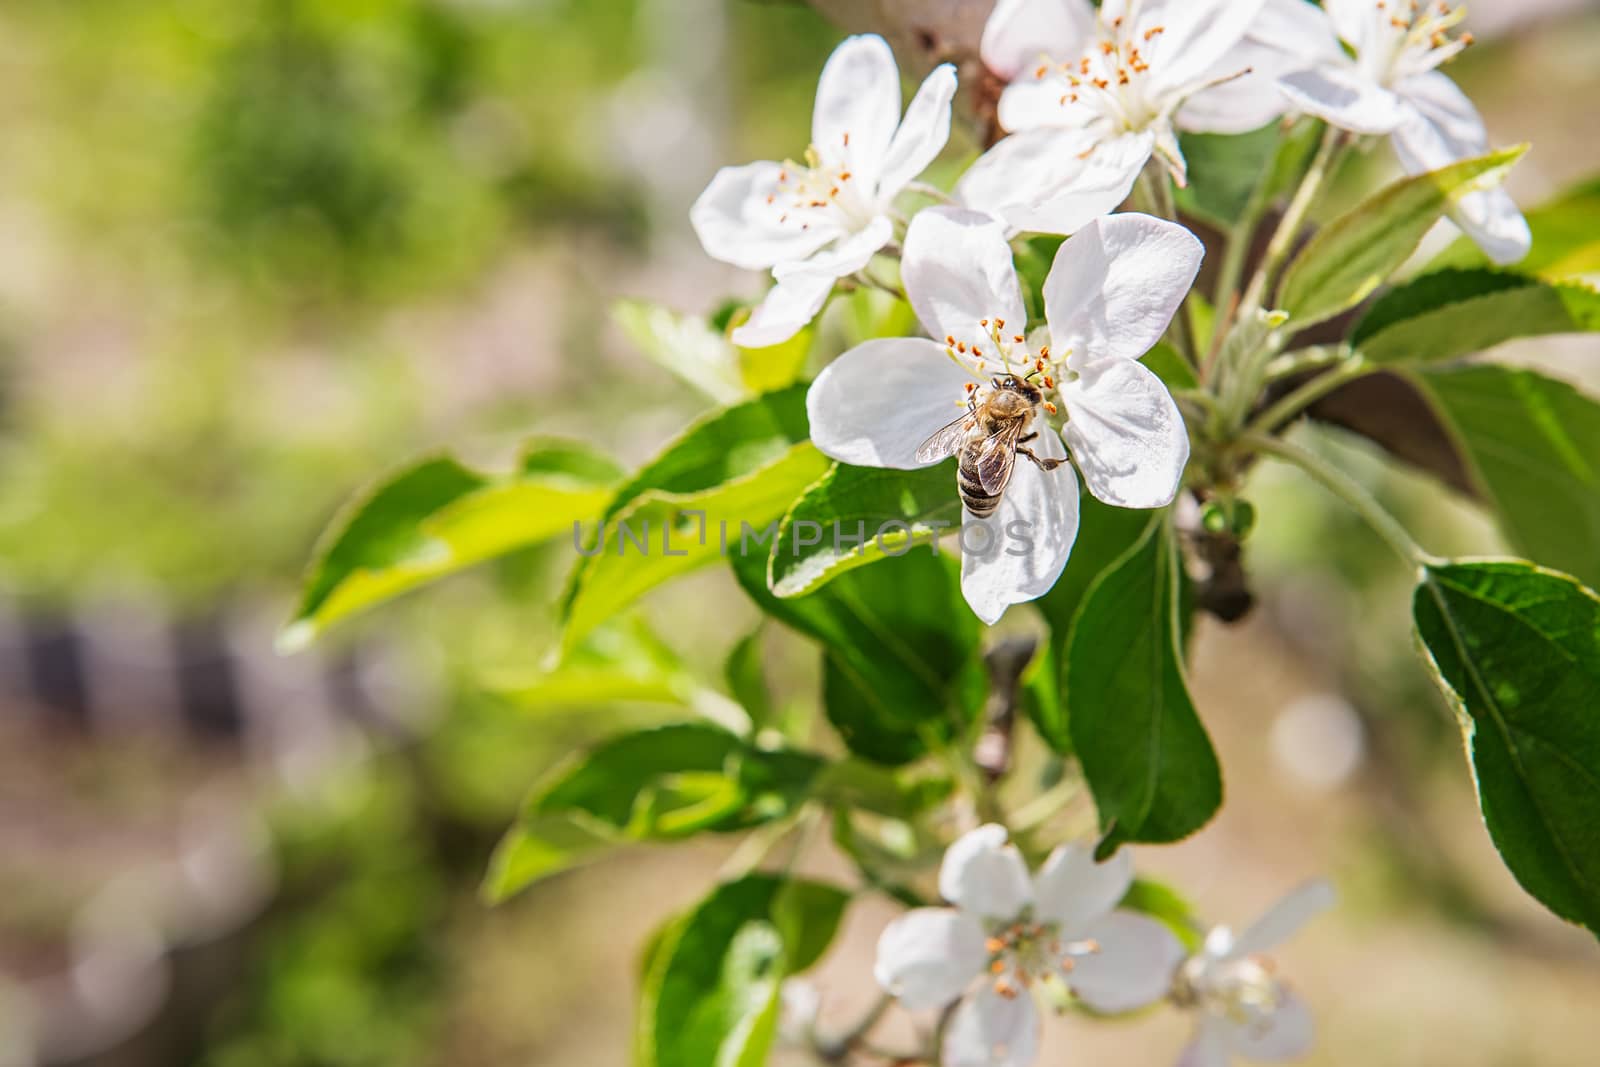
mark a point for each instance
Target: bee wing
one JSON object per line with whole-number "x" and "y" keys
{"x": 945, "y": 441}
{"x": 997, "y": 457}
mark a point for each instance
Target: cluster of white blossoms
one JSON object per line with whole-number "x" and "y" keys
{"x": 1059, "y": 933}
{"x": 1093, "y": 95}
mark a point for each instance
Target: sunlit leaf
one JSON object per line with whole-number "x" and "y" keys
{"x": 1453, "y": 313}
{"x": 1566, "y": 238}
{"x": 1352, "y": 255}
{"x": 438, "y": 517}
{"x": 710, "y": 493}
{"x": 656, "y": 784}
{"x": 710, "y": 994}
{"x": 855, "y": 515}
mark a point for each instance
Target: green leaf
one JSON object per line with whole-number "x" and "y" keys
{"x": 1453, "y": 313}
{"x": 1041, "y": 699}
{"x": 1224, "y": 171}
{"x": 1352, "y": 255}
{"x": 1532, "y": 444}
{"x": 620, "y": 662}
{"x": 856, "y": 515}
{"x": 662, "y": 783}
{"x": 900, "y": 646}
{"x": 1566, "y": 238}
{"x": 1143, "y": 750}
{"x": 709, "y": 998}
{"x": 1161, "y": 902}
{"x": 437, "y": 517}
{"x": 1517, "y": 649}
{"x": 746, "y": 676}
{"x": 763, "y": 370}
{"x": 1105, "y": 533}
{"x": 1166, "y": 363}
{"x": 736, "y": 470}
{"x": 686, "y": 345}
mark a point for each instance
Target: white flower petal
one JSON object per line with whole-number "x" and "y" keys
{"x": 785, "y": 310}
{"x": 1022, "y": 33}
{"x": 1030, "y": 102}
{"x": 922, "y": 134}
{"x": 847, "y": 256}
{"x": 1197, "y": 34}
{"x": 1027, "y": 540}
{"x": 1210, "y": 1046}
{"x": 1287, "y": 1036}
{"x": 989, "y": 1030}
{"x": 1125, "y": 433}
{"x": 737, "y": 225}
{"x": 876, "y": 403}
{"x": 1115, "y": 285}
{"x": 1219, "y": 942}
{"x": 1345, "y": 97}
{"x": 1134, "y": 966}
{"x": 1284, "y": 918}
{"x": 1445, "y": 127}
{"x": 928, "y": 956}
{"x": 1075, "y": 891}
{"x": 858, "y": 107}
{"x": 1287, "y": 35}
{"x": 985, "y": 875}
{"x": 957, "y": 271}
{"x": 1053, "y": 181}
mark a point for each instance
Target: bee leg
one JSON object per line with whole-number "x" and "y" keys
{"x": 1030, "y": 437}
{"x": 1042, "y": 464}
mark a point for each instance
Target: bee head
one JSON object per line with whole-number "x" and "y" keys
{"x": 1021, "y": 386}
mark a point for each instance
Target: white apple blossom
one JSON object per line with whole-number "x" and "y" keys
{"x": 1244, "y": 1009}
{"x": 1110, "y": 295}
{"x": 1008, "y": 931}
{"x": 1392, "y": 86}
{"x": 1124, "y": 76}
{"x": 823, "y": 219}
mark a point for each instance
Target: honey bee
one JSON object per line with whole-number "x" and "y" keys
{"x": 988, "y": 437}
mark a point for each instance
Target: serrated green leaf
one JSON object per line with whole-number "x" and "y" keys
{"x": 708, "y": 999}
{"x": 1517, "y": 649}
{"x": 661, "y": 783}
{"x": 738, "y": 468}
{"x": 686, "y": 345}
{"x": 1453, "y": 313}
{"x": 1143, "y": 750}
{"x": 853, "y": 516}
{"x": 900, "y": 647}
{"x": 1532, "y": 444}
{"x": 1352, "y": 255}
{"x": 437, "y": 517}
{"x": 1566, "y": 238}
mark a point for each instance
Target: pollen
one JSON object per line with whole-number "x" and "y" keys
{"x": 1051, "y": 408}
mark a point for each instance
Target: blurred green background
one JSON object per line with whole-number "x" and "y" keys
{"x": 254, "y": 252}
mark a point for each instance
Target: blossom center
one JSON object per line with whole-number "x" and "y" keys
{"x": 820, "y": 189}
{"x": 1411, "y": 37}
{"x": 992, "y": 343}
{"x": 1024, "y": 952}
{"x": 1110, "y": 81}
{"x": 1244, "y": 991}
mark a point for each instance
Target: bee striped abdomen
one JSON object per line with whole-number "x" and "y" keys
{"x": 977, "y": 499}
